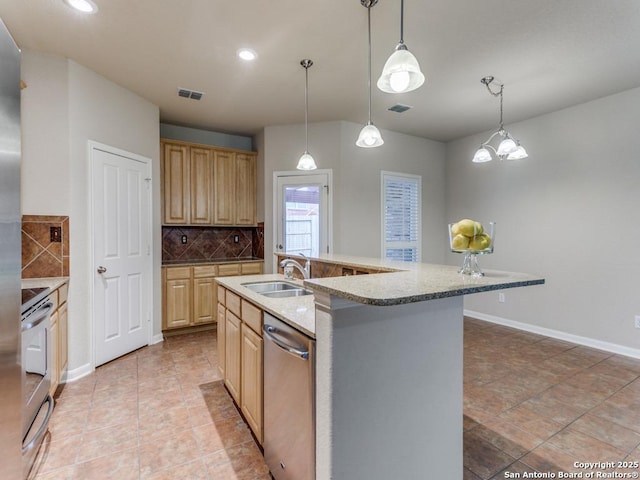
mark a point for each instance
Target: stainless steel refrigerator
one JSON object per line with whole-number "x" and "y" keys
{"x": 11, "y": 432}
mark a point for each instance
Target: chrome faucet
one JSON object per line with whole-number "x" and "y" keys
{"x": 305, "y": 271}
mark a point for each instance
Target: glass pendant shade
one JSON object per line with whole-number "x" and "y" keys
{"x": 506, "y": 147}
{"x": 482, "y": 155}
{"x": 369, "y": 137}
{"x": 401, "y": 73}
{"x": 518, "y": 154}
{"x": 306, "y": 162}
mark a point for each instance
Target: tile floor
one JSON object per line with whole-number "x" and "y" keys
{"x": 532, "y": 404}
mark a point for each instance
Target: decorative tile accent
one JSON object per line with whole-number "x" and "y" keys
{"x": 42, "y": 257}
{"x": 207, "y": 243}
{"x": 258, "y": 241}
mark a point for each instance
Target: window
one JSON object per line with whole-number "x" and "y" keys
{"x": 401, "y": 214}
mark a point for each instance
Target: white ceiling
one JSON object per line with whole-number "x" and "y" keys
{"x": 550, "y": 54}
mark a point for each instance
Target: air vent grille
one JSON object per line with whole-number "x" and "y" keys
{"x": 186, "y": 93}
{"x": 399, "y": 108}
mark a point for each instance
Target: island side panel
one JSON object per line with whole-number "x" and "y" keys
{"x": 389, "y": 389}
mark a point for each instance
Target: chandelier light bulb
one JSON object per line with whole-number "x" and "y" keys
{"x": 506, "y": 147}
{"x": 518, "y": 154}
{"x": 369, "y": 137}
{"x": 401, "y": 73}
{"x": 306, "y": 162}
{"x": 482, "y": 155}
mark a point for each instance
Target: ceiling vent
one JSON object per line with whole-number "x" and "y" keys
{"x": 399, "y": 108}
{"x": 183, "y": 92}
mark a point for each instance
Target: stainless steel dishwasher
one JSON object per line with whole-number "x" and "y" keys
{"x": 289, "y": 400}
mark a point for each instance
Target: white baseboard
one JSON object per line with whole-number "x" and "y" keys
{"x": 548, "y": 332}
{"x": 157, "y": 339}
{"x": 78, "y": 373}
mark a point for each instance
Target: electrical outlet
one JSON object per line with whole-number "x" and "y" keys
{"x": 637, "y": 321}
{"x": 236, "y": 239}
{"x": 501, "y": 297}
{"x": 184, "y": 239}
{"x": 55, "y": 234}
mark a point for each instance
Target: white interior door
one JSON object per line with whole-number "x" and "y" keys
{"x": 121, "y": 205}
{"x": 303, "y": 212}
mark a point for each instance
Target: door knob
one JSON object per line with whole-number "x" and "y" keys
{"x": 101, "y": 269}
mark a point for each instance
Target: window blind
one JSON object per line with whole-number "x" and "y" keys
{"x": 401, "y": 216}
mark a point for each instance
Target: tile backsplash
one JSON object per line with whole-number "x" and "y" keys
{"x": 45, "y": 246}
{"x": 208, "y": 243}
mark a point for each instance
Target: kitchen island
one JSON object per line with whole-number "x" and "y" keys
{"x": 389, "y": 359}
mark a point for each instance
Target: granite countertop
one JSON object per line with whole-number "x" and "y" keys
{"x": 404, "y": 283}
{"x": 418, "y": 283}
{"x": 299, "y": 312}
{"x": 217, "y": 261}
{"x": 52, "y": 282}
{"x": 407, "y": 282}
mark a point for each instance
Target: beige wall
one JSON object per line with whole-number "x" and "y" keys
{"x": 569, "y": 212}
{"x": 356, "y": 182}
{"x": 95, "y": 109}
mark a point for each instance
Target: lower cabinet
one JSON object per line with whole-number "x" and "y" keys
{"x": 232, "y": 355}
{"x": 251, "y": 379}
{"x": 190, "y": 294}
{"x": 240, "y": 356}
{"x": 59, "y": 334}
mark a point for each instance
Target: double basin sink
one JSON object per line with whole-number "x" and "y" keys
{"x": 277, "y": 289}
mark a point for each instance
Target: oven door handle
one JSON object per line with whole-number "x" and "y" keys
{"x": 43, "y": 427}
{"x": 42, "y": 314}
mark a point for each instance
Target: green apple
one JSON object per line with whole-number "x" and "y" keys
{"x": 479, "y": 228}
{"x": 460, "y": 242}
{"x": 455, "y": 230}
{"x": 480, "y": 242}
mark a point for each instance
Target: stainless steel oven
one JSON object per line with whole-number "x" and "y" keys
{"x": 36, "y": 368}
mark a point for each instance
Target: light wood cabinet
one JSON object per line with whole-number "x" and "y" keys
{"x": 190, "y": 293}
{"x": 251, "y": 391}
{"x": 59, "y": 337}
{"x": 205, "y": 293}
{"x": 201, "y": 186}
{"x": 55, "y": 368}
{"x": 232, "y": 355}
{"x": 175, "y": 171}
{"x": 205, "y": 185}
{"x": 222, "y": 351}
{"x": 225, "y": 189}
{"x": 242, "y": 343}
{"x": 177, "y": 297}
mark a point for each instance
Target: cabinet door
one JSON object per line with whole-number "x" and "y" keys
{"x": 251, "y": 403}
{"x": 224, "y": 188}
{"x": 178, "y": 303}
{"x": 175, "y": 169}
{"x": 221, "y": 340}
{"x": 232, "y": 355}
{"x": 63, "y": 341}
{"x": 53, "y": 342}
{"x": 204, "y": 300}
{"x": 245, "y": 205}
{"x": 201, "y": 191}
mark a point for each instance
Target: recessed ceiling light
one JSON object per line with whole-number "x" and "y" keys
{"x": 247, "y": 54}
{"x": 84, "y": 6}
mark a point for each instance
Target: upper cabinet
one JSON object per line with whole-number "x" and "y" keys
{"x": 207, "y": 185}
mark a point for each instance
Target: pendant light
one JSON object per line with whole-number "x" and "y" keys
{"x": 369, "y": 135}
{"x": 306, "y": 161}
{"x": 508, "y": 148}
{"x": 401, "y": 72}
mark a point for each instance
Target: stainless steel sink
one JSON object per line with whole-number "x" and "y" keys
{"x": 296, "y": 292}
{"x": 277, "y": 289}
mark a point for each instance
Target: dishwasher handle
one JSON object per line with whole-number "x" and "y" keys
{"x": 270, "y": 330}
